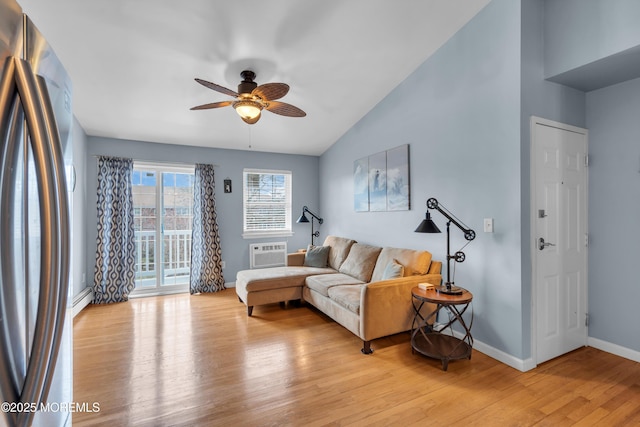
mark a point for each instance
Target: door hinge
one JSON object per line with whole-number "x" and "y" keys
{"x": 586, "y": 240}
{"x": 586, "y": 319}
{"x": 586, "y": 160}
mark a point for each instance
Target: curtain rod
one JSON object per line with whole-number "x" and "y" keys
{"x": 149, "y": 162}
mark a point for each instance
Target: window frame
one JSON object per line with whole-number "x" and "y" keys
{"x": 287, "y": 230}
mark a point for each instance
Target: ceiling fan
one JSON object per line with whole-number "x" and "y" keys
{"x": 251, "y": 99}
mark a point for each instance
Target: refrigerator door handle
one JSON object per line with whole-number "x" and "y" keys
{"x": 8, "y": 114}
{"x": 54, "y": 218}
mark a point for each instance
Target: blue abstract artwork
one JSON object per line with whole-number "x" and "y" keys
{"x": 381, "y": 181}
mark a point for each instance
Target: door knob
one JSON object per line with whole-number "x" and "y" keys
{"x": 542, "y": 244}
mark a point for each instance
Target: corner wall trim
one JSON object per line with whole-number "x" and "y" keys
{"x": 82, "y": 300}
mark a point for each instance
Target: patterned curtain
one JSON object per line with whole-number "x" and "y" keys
{"x": 206, "y": 257}
{"x": 114, "y": 275}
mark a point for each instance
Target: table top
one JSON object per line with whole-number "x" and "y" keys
{"x": 433, "y": 296}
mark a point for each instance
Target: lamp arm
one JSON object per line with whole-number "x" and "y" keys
{"x": 469, "y": 234}
{"x": 306, "y": 209}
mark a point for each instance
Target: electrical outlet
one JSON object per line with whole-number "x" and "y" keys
{"x": 488, "y": 225}
{"x": 224, "y": 264}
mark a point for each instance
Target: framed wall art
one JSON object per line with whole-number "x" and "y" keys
{"x": 381, "y": 181}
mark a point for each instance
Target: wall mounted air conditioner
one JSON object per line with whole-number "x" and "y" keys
{"x": 272, "y": 254}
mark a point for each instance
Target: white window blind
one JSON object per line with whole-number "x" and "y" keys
{"x": 267, "y": 203}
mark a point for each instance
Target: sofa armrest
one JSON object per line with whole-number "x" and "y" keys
{"x": 386, "y": 307}
{"x": 295, "y": 259}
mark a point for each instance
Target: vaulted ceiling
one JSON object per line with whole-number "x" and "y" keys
{"x": 133, "y": 63}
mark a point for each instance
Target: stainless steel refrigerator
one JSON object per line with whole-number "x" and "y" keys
{"x": 36, "y": 176}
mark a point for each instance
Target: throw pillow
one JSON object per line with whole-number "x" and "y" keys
{"x": 393, "y": 270}
{"x": 339, "y": 250}
{"x": 360, "y": 261}
{"x": 316, "y": 256}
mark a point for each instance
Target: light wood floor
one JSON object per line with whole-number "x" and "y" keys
{"x": 199, "y": 360}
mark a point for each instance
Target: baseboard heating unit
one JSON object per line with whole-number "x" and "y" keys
{"x": 272, "y": 254}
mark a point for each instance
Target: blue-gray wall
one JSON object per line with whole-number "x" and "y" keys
{"x": 591, "y": 44}
{"x": 613, "y": 115}
{"x": 465, "y": 113}
{"x": 230, "y": 164}
{"x": 460, "y": 114}
{"x": 581, "y": 32}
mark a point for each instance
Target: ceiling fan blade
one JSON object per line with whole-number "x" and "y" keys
{"x": 285, "y": 109}
{"x": 271, "y": 91}
{"x": 212, "y": 105}
{"x": 217, "y": 88}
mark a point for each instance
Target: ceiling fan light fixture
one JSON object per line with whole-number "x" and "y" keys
{"x": 249, "y": 111}
{"x": 251, "y": 99}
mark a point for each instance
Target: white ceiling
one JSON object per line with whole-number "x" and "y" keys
{"x": 133, "y": 63}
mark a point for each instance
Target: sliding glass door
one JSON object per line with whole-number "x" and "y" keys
{"x": 163, "y": 211}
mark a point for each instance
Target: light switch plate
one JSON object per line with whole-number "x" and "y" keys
{"x": 488, "y": 225}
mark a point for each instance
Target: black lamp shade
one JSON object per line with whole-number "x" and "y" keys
{"x": 427, "y": 226}
{"x": 303, "y": 218}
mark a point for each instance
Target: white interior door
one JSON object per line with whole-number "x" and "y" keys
{"x": 559, "y": 232}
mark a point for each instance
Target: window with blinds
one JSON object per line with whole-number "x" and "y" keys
{"x": 267, "y": 203}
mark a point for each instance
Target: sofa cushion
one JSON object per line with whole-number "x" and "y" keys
{"x": 360, "y": 261}
{"x": 262, "y": 279}
{"x": 393, "y": 270}
{"x": 348, "y": 296}
{"x": 414, "y": 262}
{"x": 323, "y": 282}
{"x": 316, "y": 256}
{"x": 340, "y": 247}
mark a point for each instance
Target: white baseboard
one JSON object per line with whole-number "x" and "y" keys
{"x": 82, "y": 300}
{"x": 499, "y": 355}
{"x": 524, "y": 365}
{"x": 230, "y": 285}
{"x": 528, "y": 364}
{"x": 618, "y": 350}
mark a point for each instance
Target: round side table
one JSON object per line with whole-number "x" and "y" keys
{"x": 437, "y": 340}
